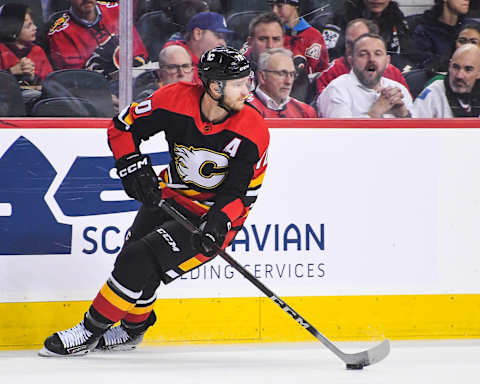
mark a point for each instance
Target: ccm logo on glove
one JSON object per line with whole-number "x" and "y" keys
{"x": 133, "y": 167}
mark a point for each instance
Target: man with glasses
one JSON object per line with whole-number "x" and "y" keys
{"x": 456, "y": 95}
{"x": 276, "y": 74}
{"x": 174, "y": 64}
{"x": 204, "y": 31}
{"x": 365, "y": 92}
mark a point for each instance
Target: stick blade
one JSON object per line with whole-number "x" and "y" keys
{"x": 368, "y": 357}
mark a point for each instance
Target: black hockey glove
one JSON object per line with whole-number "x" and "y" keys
{"x": 214, "y": 228}
{"x": 139, "y": 179}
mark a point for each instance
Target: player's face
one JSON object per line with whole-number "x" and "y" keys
{"x": 369, "y": 61}
{"x": 286, "y": 12}
{"x": 267, "y": 35}
{"x": 236, "y": 92}
{"x": 28, "y": 34}
{"x": 376, "y": 6}
{"x": 464, "y": 70}
{"x": 277, "y": 80}
{"x": 468, "y": 36}
{"x": 458, "y": 6}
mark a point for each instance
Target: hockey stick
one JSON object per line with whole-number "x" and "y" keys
{"x": 352, "y": 360}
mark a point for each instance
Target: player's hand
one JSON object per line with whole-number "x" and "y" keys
{"x": 214, "y": 230}
{"x": 139, "y": 179}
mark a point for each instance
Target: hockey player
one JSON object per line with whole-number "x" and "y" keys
{"x": 218, "y": 160}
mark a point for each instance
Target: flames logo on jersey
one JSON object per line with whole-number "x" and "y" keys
{"x": 314, "y": 51}
{"x": 200, "y": 166}
{"x": 60, "y": 24}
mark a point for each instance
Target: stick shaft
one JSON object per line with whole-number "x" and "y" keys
{"x": 187, "y": 224}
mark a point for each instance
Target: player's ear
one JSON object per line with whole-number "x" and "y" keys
{"x": 215, "y": 88}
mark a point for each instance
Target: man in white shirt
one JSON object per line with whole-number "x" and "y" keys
{"x": 364, "y": 92}
{"x": 458, "y": 94}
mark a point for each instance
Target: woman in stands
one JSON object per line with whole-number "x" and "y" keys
{"x": 436, "y": 31}
{"x": 19, "y": 54}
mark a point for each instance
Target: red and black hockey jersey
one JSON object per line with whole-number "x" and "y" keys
{"x": 72, "y": 43}
{"x": 308, "y": 47}
{"x": 219, "y": 166}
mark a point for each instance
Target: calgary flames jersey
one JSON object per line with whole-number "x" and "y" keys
{"x": 218, "y": 166}
{"x": 72, "y": 43}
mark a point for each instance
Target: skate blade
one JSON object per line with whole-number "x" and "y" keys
{"x": 44, "y": 352}
{"x": 111, "y": 349}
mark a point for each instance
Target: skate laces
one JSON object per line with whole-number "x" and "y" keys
{"x": 74, "y": 336}
{"x": 116, "y": 335}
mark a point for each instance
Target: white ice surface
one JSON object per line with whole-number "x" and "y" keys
{"x": 425, "y": 362}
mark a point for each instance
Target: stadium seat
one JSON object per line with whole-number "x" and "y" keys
{"x": 319, "y": 20}
{"x": 80, "y": 83}
{"x": 144, "y": 84}
{"x": 238, "y": 22}
{"x": 313, "y": 8}
{"x": 11, "y": 100}
{"x": 234, "y": 6}
{"x": 155, "y": 28}
{"x": 416, "y": 80}
{"x": 63, "y": 107}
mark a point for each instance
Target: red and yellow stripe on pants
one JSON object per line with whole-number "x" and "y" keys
{"x": 114, "y": 301}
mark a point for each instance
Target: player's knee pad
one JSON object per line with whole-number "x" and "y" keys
{"x": 134, "y": 265}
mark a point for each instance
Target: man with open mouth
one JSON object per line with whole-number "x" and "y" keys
{"x": 365, "y": 92}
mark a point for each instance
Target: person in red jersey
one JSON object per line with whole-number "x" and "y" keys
{"x": 218, "y": 147}
{"x": 306, "y": 42}
{"x": 204, "y": 31}
{"x": 355, "y": 28}
{"x": 276, "y": 74}
{"x": 18, "y": 52}
{"x": 86, "y": 36}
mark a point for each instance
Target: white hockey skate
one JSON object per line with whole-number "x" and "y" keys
{"x": 124, "y": 337}
{"x": 75, "y": 341}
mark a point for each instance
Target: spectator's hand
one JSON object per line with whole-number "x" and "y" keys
{"x": 215, "y": 227}
{"x": 139, "y": 179}
{"x": 28, "y": 68}
{"x": 390, "y": 101}
{"x": 395, "y": 97}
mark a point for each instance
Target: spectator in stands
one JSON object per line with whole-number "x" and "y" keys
{"x": 458, "y": 94}
{"x": 469, "y": 34}
{"x": 435, "y": 32}
{"x": 18, "y": 52}
{"x": 364, "y": 92}
{"x": 86, "y": 36}
{"x": 393, "y": 28}
{"x": 265, "y": 31}
{"x": 205, "y": 31}
{"x": 355, "y": 28}
{"x": 276, "y": 73}
{"x": 174, "y": 64}
{"x": 183, "y": 11}
{"x": 306, "y": 42}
